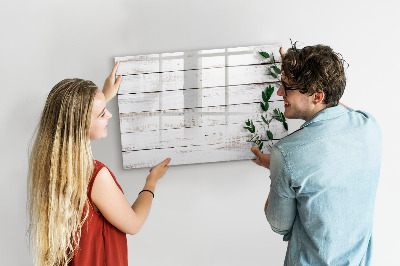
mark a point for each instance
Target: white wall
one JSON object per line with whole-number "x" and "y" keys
{"x": 205, "y": 214}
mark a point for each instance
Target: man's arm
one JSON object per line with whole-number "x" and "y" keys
{"x": 280, "y": 208}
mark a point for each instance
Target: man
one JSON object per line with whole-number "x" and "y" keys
{"x": 323, "y": 176}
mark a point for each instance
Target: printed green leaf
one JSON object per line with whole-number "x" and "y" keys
{"x": 273, "y": 59}
{"x": 285, "y": 125}
{"x": 276, "y": 69}
{"x": 269, "y": 90}
{"x": 247, "y": 128}
{"x": 264, "y": 97}
{"x": 279, "y": 116}
{"x": 265, "y": 121}
{"x": 270, "y": 135}
{"x": 260, "y": 146}
{"x": 253, "y": 129}
{"x": 262, "y": 106}
{"x": 264, "y": 54}
{"x": 248, "y": 122}
{"x": 273, "y": 74}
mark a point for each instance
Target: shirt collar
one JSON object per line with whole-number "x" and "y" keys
{"x": 326, "y": 114}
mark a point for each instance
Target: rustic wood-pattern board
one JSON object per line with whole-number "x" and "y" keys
{"x": 192, "y": 98}
{"x": 169, "y": 119}
{"x": 167, "y": 62}
{"x": 193, "y": 136}
{"x": 195, "y": 78}
{"x": 191, "y": 106}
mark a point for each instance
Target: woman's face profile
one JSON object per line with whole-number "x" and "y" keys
{"x": 100, "y": 116}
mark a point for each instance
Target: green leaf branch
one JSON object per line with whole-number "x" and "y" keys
{"x": 266, "y": 95}
{"x": 280, "y": 117}
{"x": 273, "y": 69}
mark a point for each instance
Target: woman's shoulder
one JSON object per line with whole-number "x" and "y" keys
{"x": 97, "y": 168}
{"x": 102, "y": 170}
{"x": 97, "y": 164}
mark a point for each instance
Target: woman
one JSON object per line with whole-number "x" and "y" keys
{"x": 78, "y": 212}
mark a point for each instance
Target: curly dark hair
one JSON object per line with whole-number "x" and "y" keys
{"x": 316, "y": 69}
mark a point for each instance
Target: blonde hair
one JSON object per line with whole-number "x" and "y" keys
{"x": 60, "y": 167}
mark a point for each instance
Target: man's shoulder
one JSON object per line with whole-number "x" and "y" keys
{"x": 292, "y": 142}
{"x": 365, "y": 116}
{"x": 353, "y": 123}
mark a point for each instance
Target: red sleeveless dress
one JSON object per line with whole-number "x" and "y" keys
{"x": 101, "y": 243}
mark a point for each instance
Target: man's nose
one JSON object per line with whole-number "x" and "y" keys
{"x": 280, "y": 91}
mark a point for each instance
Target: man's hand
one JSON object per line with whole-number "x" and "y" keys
{"x": 111, "y": 86}
{"x": 263, "y": 160}
{"x": 266, "y": 206}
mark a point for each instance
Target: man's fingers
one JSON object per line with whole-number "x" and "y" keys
{"x": 256, "y": 151}
{"x": 257, "y": 161}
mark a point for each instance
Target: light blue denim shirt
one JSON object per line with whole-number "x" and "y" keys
{"x": 323, "y": 183}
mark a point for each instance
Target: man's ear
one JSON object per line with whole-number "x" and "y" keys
{"x": 318, "y": 97}
{"x": 281, "y": 52}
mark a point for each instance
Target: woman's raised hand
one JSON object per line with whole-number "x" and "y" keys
{"x": 111, "y": 85}
{"x": 158, "y": 171}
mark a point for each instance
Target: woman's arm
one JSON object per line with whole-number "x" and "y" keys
{"x": 114, "y": 206}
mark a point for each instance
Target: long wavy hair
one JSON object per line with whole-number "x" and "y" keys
{"x": 60, "y": 167}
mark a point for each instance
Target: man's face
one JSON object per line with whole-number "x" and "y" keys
{"x": 297, "y": 104}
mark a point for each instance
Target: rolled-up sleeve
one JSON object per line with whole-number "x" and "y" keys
{"x": 281, "y": 210}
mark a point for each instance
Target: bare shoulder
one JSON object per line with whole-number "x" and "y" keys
{"x": 103, "y": 185}
{"x": 103, "y": 175}
{"x": 111, "y": 202}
